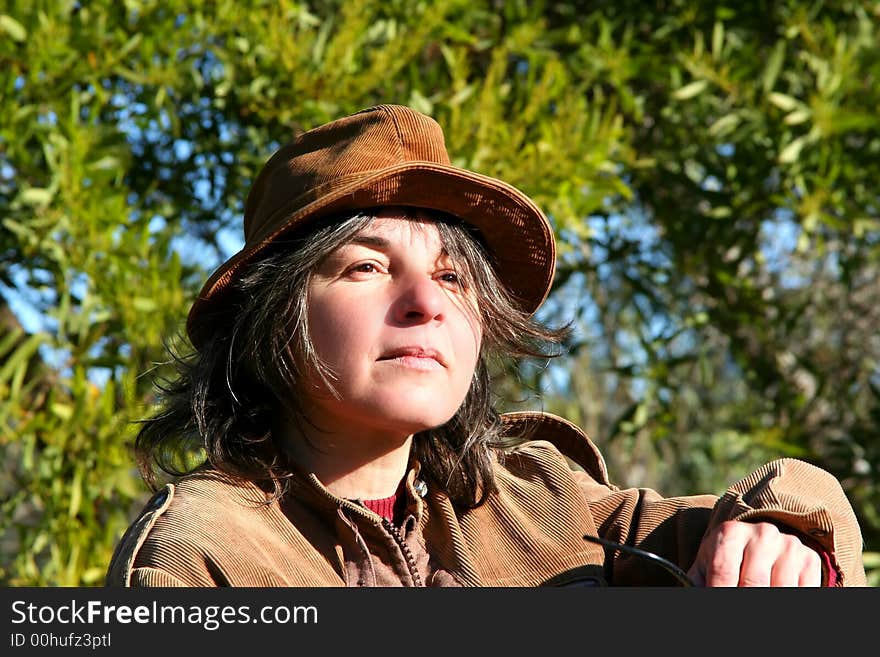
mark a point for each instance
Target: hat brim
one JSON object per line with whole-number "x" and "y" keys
{"x": 516, "y": 231}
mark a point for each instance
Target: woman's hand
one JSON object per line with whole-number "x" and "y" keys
{"x": 754, "y": 554}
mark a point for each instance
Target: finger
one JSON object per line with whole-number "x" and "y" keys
{"x": 811, "y": 574}
{"x": 794, "y": 563}
{"x": 763, "y": 551}
{"x": 786, "y": 572}
{"x": 696, "y": 574}
{"x": 723, "y": 554}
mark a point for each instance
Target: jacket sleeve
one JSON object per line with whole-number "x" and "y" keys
{"x": 177, "y": 562}
{"x": 794, "y": 495}
{"x": 806, "y": 500}
{"x": 153, "y": 577}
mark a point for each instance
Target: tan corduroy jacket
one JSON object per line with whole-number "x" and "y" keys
{"x": 208, "y": 530}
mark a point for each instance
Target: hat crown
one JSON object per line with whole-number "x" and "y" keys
{"x": 333, "y": 154}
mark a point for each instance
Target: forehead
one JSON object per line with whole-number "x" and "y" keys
{"x": 394, "y": 226}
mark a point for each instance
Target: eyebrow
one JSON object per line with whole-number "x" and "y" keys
{"x": 381, "y": 243}
{"x": 371, "y": 240}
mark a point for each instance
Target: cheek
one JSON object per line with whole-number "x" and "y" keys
{"x": 344, "y": 329}
{"x": 329, "y": 332}
{"x": 467, "y": 342}
{"x": 469, "y": 336}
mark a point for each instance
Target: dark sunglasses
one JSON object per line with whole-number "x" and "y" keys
{"x": 680, "y": 576}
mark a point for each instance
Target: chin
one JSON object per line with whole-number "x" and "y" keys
{"x": 418, "y": 412}
{"x": 416, "y": 419}
{"x": 413, "y": 425}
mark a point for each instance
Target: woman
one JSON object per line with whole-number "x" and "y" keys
{"x": 340, "y": 390}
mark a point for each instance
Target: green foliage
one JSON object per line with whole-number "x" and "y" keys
{"x": 709, "y": 170}
{"x": 732, "y": 295}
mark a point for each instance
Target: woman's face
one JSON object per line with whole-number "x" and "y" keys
{"x": 389, "y": 317}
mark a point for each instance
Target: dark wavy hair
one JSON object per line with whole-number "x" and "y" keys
{"x": 225, "y": 398}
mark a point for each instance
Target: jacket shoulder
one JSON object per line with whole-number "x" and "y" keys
{"x": 566, "y": 436}
{"x": 119, "y": 571}
{"x": 184, "y": 518}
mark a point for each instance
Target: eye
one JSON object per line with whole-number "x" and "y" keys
{"x": 452, "y": 279}
{"x": 362, "y": 269}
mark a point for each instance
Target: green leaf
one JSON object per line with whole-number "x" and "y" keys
{"x": 13, "y": 28}
{"x": 76, "y": 487}
{"x": 131, "y": 44}
{"x": 20, "y": 356}
{"x": 797, "y": 117}
{"x": 724, "y": 125}
{"x": 420, "y": 102}
{"x": 144, "y": 304}
{"x": 791, "y": 152}
{"x": 720, "y": 212}
{"x": 774, "y": 65}
{"x": 690, "y": 90}
{"x": 784, "y": 102}
{"x": 64, "y": 411}
{"x": 717, "y": 39}
{"x": 36, "y": 196}
{"x": 93, "y": 575}
{"x": 461, "y": 95}
{"x": 106, "y": 163}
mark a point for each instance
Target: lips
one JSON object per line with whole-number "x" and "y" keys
{"x": 414, "y": 352}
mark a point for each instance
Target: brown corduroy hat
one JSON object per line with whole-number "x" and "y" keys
{"x": 381, "y": 156}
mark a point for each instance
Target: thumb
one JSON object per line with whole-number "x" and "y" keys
{"x": 697, "y": 574}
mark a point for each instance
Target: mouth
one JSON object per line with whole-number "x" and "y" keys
{"x": 417, "y": 357}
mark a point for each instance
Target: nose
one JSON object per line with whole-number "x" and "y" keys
{"x": 421, "y": 300}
